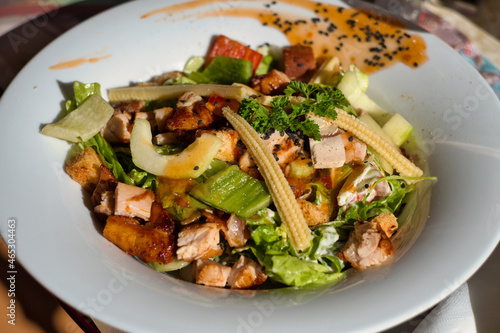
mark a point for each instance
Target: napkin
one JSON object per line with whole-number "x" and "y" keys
{"x": 454, "y": 314}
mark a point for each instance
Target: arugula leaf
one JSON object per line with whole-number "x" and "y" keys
{"x": 284, "y": 116}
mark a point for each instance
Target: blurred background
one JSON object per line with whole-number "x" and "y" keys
{"x": 37, "y": 310}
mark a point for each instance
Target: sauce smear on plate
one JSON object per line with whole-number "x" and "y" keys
{"x": 362, "y": 37}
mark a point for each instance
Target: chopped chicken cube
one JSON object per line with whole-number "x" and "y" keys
{"x": 211, "y": 273}
{"x": 161, "y": 116}
{"x": 84, "y": 168}
{"x": 118, "y": 128}
{"x": 107, "y": 182}
{"x": 236, "y": 232}
{"x": 355, "y": 150}
{"x": 285, "y": 149}
{"x": 107, "y": 204}
{"x": 367, "y": 246}
{"x": 165, "y": 139}
{"x": 314, "y": 214}
{"x": 246, "y": 274}
{"x": 129, "y": 107}
{"x": 149, "y": 116}
{"x": 229, "y": 150}
{"x": 328, "y": 153}
{"x": 133, "y": 201}
{"x": 188, "y": 99}
{"x": 199, "y": 241}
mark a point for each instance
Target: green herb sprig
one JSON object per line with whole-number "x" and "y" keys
{"x": 284, "y": 116}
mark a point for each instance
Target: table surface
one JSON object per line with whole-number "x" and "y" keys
{"x": 484, "y": 286}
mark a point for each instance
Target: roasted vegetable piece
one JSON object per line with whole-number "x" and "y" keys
{"x": 227, "y": 47}
{"x": 148, "y": 243}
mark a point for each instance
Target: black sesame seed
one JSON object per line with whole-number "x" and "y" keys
{"x": 352, "y": 23}
{"x": 292, "y": 187}
{"x": 315, "y": 19}
{"x": 406, "y": 35}
{"x": 300, "y": 64}
{"x": 403, "y": 185}
{"x": 200, "y": 122}
{"x": 216, "y": 103}
{"x": 355, "y": 14}
{"x": 227, "y": 100}
{"x": 351, "y": 138}
{"x": 196, "y": 167}
{"x": 415, "y": 64}
{"x": 340, "y": 9}
{"x": 183, "y": 101}
{"x": 366, "y": 185}
{"x": 310, "y": 163}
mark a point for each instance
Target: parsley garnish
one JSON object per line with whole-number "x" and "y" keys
{"x": 284, "y": 116}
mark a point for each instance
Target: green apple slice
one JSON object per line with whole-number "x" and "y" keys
{"x": 398, "y": 128}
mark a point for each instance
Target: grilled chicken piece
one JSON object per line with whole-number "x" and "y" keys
{"x": 355, "y": 150}
{"x": 272, "y": 83}
{"x": 246, "y": 274}
{"x": 211, "y": 273}
{"x": 298, "y": 60}
{"x": 129, "y": 107}
{"x": 149, "y": 116}
{"x": 285, "y": 149}
{"x": 118, "y": 128}
{"x": 367, "y": 246}
{"x": 199, "y": 241}
{"x": 161, "y": 116}
{"x": 229, "y": 151}
{"x": 84, "y": 168}
{"x": 190, "y": 118}
{"x": 107, "y": 182}
{"x": 107, "y": 204}
{"x": 149, "y": 243}
{"x": 314, "y": 214}
{"x": 133, "y": 201}
{"x": 188, "y": 99}
{"x": 235, "y": 231}
{"x": 329, "y": 152}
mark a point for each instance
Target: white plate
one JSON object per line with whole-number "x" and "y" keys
{"x": 61, "y": 246}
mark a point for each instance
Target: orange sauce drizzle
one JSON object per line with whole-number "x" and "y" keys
{"x": 364, "y": 38}
{"x": 77, "y": 62}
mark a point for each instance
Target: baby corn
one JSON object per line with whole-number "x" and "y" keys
{"x": 283, "y": 197}
{"x": 352, "y": 124}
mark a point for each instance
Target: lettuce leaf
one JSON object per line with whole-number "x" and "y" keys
{"x": 82, "y": 91}
{"x": 318, "y": 265}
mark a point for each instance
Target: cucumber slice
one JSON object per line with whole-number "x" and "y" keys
{"x": 398, "y": 128}
{"x": 226, "y": 70}
{"x": 174, "y": 265}
{"x": 194, "y": 64}
{"x": 233, "y": 191}
{"x": 84, "y": 122}
{"x": 350, "y": 87}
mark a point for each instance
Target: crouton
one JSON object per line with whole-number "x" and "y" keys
{"x": 386, "y": 222}
{"x": 314, "y": 214}
{"x": 84, "y": 168}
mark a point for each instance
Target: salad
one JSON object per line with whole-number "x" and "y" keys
{"x": 247, "y": 169}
